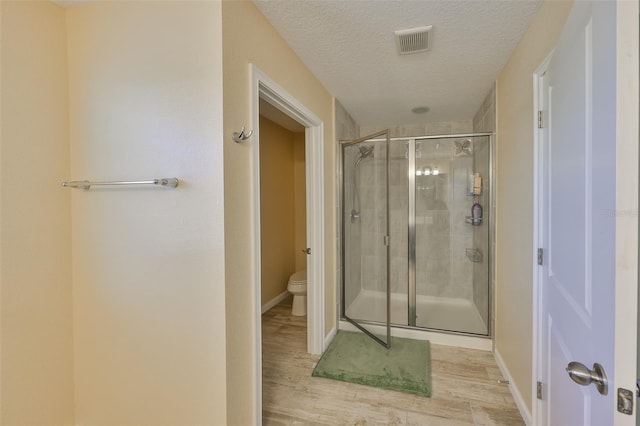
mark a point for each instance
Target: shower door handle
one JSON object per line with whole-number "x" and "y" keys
{"x": 307, "y": 251}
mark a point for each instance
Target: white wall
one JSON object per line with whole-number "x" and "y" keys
{"x": 148, "y": 263}
{"x": 36, "y": 380}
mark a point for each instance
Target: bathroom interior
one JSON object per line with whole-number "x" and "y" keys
{"x": 125, "y": 277}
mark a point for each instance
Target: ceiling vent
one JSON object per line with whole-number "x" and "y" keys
{"x": 413, "y": 40}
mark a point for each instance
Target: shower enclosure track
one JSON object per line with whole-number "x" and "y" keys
{"x": 420, "y": 138}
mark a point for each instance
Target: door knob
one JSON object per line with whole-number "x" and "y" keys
{"x": 580, "y": 374}
{"x": 307, "y": 251}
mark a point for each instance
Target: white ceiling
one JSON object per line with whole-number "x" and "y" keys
{"x": 349, "y": 46}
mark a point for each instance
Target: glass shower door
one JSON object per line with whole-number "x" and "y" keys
{"x": 365, "y": 234}
{"x": 451, "y": 244}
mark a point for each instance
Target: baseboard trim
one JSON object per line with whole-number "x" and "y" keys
{"x": 329, "y": 337}
{"x": 522, "y": 406}
{"x": 273, "y": 302}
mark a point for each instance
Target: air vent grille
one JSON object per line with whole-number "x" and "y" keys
{"x": 413, "y": 40}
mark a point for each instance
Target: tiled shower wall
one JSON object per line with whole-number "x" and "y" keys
{"x": 424, "y": 129}
{"x": 398, "y": 210}
{"x": 441, "y": 203}
{"x": 485, "y": 118}
{"x": 442, "y": 234}
{"x": 372, "y": 183}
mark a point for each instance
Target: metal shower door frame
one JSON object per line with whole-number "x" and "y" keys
{"x": 411, "y": 237}
{"x": 344, "y": 144}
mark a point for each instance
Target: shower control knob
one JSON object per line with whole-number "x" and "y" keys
{"x": 307, "y": 251}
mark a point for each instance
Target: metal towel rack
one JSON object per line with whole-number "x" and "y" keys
{"x": 85, "y": 184}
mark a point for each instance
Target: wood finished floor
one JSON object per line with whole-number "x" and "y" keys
{"x": 465, "y": 386}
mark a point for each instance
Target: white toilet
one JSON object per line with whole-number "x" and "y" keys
{"x": 298, "y": 287}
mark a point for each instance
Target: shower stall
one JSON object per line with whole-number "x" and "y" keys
{"x": 416, "y": 233}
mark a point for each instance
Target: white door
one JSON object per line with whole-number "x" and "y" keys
{"x": 581, "y": 278}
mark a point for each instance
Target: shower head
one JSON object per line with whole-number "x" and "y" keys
{"x": 365, "y": 151}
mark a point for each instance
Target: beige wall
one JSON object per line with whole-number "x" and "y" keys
{"x": 300, "y": 200}
{"x": 35, "y": 264}
{"x": 514, "y": 244}
{"x": 249, "y": 38}
{"x": 148, "y": 263}
{"x": 277, "y": 208}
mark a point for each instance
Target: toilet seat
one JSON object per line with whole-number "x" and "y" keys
{"x": 299, "y": 277}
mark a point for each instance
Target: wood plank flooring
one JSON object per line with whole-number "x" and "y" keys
{"x": 465, "y": 386}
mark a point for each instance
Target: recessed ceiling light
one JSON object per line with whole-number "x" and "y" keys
{"x": 420, "y": 110}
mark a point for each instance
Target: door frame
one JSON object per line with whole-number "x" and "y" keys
{"x": 627, "y": 179}
{"x": 627, "y": 202}
{"x": 262, "y": 86}
{"x": 538, "y": 176}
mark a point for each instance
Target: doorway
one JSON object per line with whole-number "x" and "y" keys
{"x": 283, "y": 220}
{"x": 263, "y": 88}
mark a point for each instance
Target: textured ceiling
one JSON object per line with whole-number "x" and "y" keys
{"x": 349, "y": 46}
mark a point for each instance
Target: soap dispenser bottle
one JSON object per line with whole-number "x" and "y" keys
{"x": 477, "y": 184}
{"x": 476, "y": 214}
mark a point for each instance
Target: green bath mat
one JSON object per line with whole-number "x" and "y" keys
{"x": 356, "y": 358}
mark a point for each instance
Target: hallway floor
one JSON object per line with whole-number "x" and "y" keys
{"x": 465, "y": 386}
